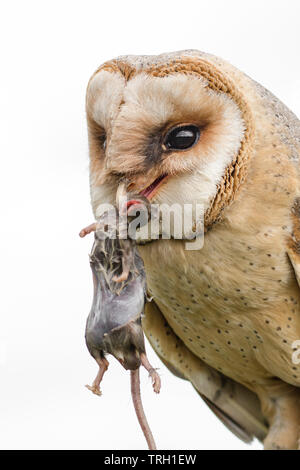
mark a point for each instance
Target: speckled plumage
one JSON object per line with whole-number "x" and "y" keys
{"x": 232, "y": 307}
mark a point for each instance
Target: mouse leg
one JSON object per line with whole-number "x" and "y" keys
{"x": 127, "y": 260}
{"x": 86, "y": 230}
{"x": 152, "y": 373}
{"x": 103, "y": 366}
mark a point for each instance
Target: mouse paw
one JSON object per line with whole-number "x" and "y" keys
{"x": 95, "y": 389}
{"x": 156, "y": 382}
{"x": 123, "y": 277}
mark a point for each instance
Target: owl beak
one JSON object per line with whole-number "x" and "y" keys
{"x": 150, "y": 190}
{"x": 122, "y": 190}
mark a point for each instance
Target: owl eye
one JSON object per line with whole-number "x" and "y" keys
{"x": 182, "y": 137}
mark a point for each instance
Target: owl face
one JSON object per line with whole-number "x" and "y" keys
{"x": 172, "y": 137}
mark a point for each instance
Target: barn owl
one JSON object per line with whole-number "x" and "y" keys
{"x": 187, "y": 127}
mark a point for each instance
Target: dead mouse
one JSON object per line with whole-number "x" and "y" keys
{"x": 114, "y": 323}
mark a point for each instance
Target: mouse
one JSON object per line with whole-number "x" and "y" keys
{"x": 114, "y": 324}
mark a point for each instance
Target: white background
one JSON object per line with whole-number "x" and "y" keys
{"x": 48, "y": 51}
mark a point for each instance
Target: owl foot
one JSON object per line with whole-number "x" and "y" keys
{"x": 283, "y": 414}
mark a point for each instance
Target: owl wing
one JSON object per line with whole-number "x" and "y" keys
{"x": 237, "y": 407}
{"x": 294, "y": 258}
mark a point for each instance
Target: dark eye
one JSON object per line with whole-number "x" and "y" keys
{"x": 182, "y": 137}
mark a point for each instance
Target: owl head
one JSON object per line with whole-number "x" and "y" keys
{"x": 174, "y": 126}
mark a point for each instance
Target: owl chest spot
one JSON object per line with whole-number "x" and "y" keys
{"x": 232, "y": 315}
{"x": 209, "y": 323}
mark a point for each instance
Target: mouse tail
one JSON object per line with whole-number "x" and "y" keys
{"x": 137, "y": 403}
